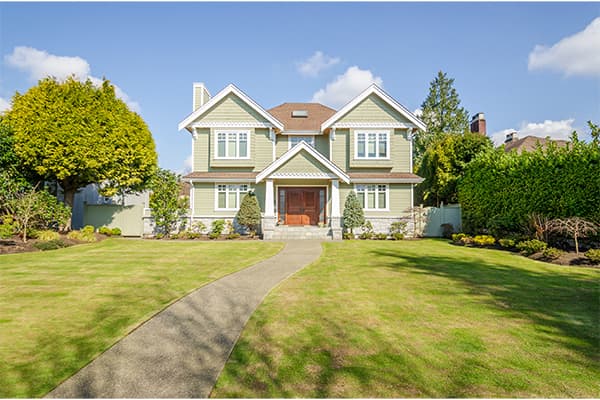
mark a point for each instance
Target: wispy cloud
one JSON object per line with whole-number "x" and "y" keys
{"x": 346, "y": 86}
{"x": 187, "y": 165}
{"x": 317, "y": 63}
{"x": 554, "y": 129}
{"x": 40, "y": 64}
{"x": 4, "y": 105}
{"x": 578, "y": 54}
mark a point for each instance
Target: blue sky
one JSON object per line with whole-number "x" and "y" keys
{"x": 278, "y": 52}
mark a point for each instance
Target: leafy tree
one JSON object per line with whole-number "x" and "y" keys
{"x": 443, "y": 165}
{"x": 441, "y": 113}
{"x": 165, "y": 202}
{"x": 354, "y": 216}
{"x": 249, "y": 213}
{"x": 75, "y": 133}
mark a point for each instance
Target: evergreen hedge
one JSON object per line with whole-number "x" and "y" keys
{"x": 499, "y": 190}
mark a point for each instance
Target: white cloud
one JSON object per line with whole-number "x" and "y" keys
{"x": 346, "y": 86}
{"x": 418, "y": 112}
{"x": 40, "y": 64}
{"x": 554, "y": 129}
{"x": 4, "y": 105}
{"x": 316, "y": 63}
{"x": 578, "y": 54}
{"x": 187, "y": 165}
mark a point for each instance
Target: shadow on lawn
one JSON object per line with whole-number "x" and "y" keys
{"x": 563, "y": 306}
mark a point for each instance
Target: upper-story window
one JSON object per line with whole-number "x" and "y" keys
{"x": 232, "y": 144}
{"x": 294, "y": 140}
{"x": 372, "y": 145}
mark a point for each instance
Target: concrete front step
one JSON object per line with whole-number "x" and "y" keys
{"x": 301, "y": 232}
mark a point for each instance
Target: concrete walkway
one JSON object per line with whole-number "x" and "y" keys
{"x": 181, "y": 351}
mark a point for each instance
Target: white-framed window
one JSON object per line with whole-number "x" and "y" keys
{"x": 372, "y": 144}
{"x": 232, "y": 144}
{"x": 373, "y": 197}
{"x": 229, "y": 197}
{"x": 294, "y": 140}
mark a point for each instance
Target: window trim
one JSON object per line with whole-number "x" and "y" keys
{"x": 238, "y": 197}
{"x": 366, "y": 132}
{"x": 237, "y": 143}
{"x": 387, "y": 195}
{"x": 312, "y": 140}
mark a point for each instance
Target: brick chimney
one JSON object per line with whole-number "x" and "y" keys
{"x": 201, "y": 95}
{"x": 478, "y": 124}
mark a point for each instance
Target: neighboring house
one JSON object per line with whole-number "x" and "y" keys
{"x": 301, "y": 160}
{"x": 528, "y": 143}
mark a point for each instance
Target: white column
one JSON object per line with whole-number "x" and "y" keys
{"x": 269, "y": 199}
{"x": 335, "y": 198}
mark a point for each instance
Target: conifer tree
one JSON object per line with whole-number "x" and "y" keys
{"x": 353, "y": 212}
{"x": 249, "y": 213}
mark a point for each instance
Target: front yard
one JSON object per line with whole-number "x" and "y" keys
{"x": 422, "y": 319}
{"x": 62, "y": 308}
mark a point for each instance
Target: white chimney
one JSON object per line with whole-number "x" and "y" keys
{"x": 510, "y": 136}
{"x": 200, "y": 97}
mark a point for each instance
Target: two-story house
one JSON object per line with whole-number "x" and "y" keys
{"x": 301, "y": 160}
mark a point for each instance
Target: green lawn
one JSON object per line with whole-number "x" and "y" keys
{"x": 422, "y": 319}
{"x": 60, "y": 309}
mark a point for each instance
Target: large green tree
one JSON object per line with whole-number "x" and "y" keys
{"x": 443, "y": 164}
{"x": 168, "y": 207}
{"x": 442, "y": 113}
{"x": 76, "y": 133}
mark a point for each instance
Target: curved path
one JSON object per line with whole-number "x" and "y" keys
{"x": 181, "y": 351}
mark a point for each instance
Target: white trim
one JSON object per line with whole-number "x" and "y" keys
{"x": 410, "y": 137}
{"x": 273, "y": 138}
{"x": 366, "y": 132}
{"x": 231, "y": 124}
{"x": 237, "y": 143}
{"x": 335, "y": 199}
{"x": 301, "y": 133}
{"x": 313, "y": 144}
{"x": 269, "y": 200}
{"x": 238, "y": 197}
{"x": 295, "y": 150}
{"x": 194, "y": 138}
{"x": 372, "y": 125}
{"x": 387, "y": 180}
{"x": 387, "y": 197}
{"x": 302, "y": 175}
{"x": 219, "y": 180}
{"x": 374, "y": 89}
{"x": 231, "y": 88}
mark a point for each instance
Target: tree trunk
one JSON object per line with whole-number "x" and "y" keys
{"x": 69, "y": 198}
{"x": 576, "y": 244}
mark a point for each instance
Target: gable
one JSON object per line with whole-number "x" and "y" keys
{"x": 373, "y": 109}
{"x": 231, "y": 108}
{"x": 303, "y": 163}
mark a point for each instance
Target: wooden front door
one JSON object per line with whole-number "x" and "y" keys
{"x": 301, "y": 206}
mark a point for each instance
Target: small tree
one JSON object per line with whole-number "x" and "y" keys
{"x": 576, "y": 227}
{"x": 249, "y": 213}
{"x": 354, "y": 216}
{"x": 166, "y": 204}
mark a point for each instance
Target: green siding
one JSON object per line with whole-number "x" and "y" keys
{"x": 127, "y": 218}
{"x": 371, "y": 109}
{"x": 339, "y": 151}
{"x": 303, "y": 162}
{"x": 232, "y": 108}
{"x": 399, "y": 199}
{"x": 261, "y": 152}
{"x": 322, "y": 144}
{"x": 263, "y": 149}
{"x": 201, "y": 150}
{"x": 281, "y": 146}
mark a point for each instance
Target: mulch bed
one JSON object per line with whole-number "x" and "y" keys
{"x": 16, "y": 245}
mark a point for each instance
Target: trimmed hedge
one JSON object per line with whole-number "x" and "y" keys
{"x": 499, "y": 190}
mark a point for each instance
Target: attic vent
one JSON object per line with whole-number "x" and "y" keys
{"x": 299, "y": 114}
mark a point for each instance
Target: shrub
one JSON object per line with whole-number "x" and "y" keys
{"x": 347, "y": 236}
{"x": 552, "y": 253}
{"x": 466, "y": 239}
{"x": 457, "y": 237}
{"x": 218, "y": 226}
{"x": 115, "y": 231}
{"x": 484, "y": 240}
{"x": 50, "y": 245}
{"x": 167, "y": 206}
{"x": 353, "y": 215}
{"x": 47, "y": 235}
{"x": 381, "y": 236}
{"x": 398, "y": 227}
{"x": 593, "y": 255}
{"x": 198, "y": 227}
{"x": 248, "y": 215}
{"x": 7, "y": 228}
{"x": 447, "y": 230}
{"x": 233, "y": 235}
{"x": 507, "y": 243}
{"x": 397, "y": 236}
{"x": 213, "y": 235}
{"x": 367, "y": 233}
{"x": 88, "y": 229}
{"x": 83, "y": 235}
{"x": 105, "y": 230}
{"x": 529, "y": 247}
{"x": 229, "y": 227}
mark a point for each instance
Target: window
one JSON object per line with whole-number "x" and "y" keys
{"x": 372, "y": 145}
{"x": 229, "y": 197}
{"x": 294, "y": 140}
{"x": 373, "y": 197}
{"x": 232, "y": 144}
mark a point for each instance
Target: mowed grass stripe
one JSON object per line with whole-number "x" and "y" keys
{"x": 62, "y": 308}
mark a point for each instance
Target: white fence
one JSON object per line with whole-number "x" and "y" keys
{"x": 434, "y": 217}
